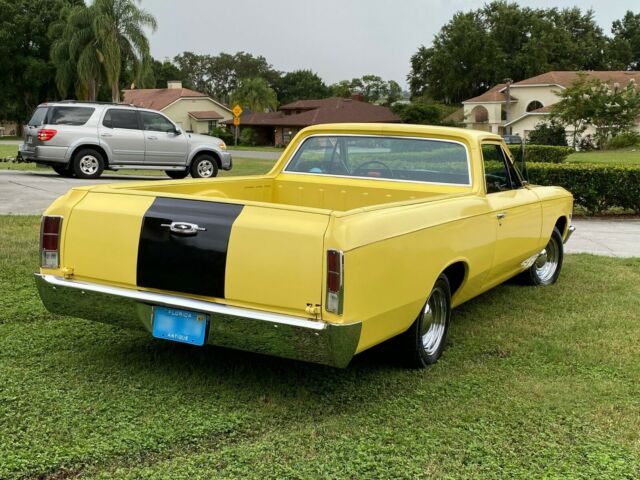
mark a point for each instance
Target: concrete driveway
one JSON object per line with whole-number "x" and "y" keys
{"x": 30, "y": 192}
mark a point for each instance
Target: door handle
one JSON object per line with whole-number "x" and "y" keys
{"x": 501, "y": 215}
{"x": 105, "y": 135}
{"x": 152, "y": 137}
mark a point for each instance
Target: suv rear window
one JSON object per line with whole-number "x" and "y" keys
{"x": 69, "y": 115}
{"x": 38, "y": 117}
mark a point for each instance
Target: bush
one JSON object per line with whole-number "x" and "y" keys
{"x": 624, "y": 140}
{"x": 548, "y": 133}
{"x": 224, "y": 134}
{"x": 595, "y": 187}
{"x": 542, "y": 153}
{"x": 249, "y": 137}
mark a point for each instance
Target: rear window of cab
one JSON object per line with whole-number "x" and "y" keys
{"x": 61, "y": 116}
{"x": 406, "y": 159}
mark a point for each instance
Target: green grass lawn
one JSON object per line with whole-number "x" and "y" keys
{"x": 621, "y": 157}
{"x": 535, "y": 383}
{"x": 256, "y": 149}
{"x": 241, "y": 166}
{"x": 8, "y": 151}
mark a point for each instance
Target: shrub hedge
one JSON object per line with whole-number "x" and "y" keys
{"x": 542, "y": 153}
{"x": 595, "y": 187}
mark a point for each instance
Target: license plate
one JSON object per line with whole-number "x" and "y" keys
{"x": 180, "y": 325}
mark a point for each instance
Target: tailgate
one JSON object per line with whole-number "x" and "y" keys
{"x": 258, "y": 256}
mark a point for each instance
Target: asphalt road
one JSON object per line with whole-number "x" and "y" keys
{"x": 30, "y": 192}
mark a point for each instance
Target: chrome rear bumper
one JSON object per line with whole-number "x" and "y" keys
{"x": 240, "y": 328}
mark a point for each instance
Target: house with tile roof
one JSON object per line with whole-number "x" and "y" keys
{"x": 192, "y": 111}
{"x": 529, "y": 101}
{"x": 278, "y": 128}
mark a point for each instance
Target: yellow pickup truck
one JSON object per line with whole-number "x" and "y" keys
{"x": 360, "y": 233}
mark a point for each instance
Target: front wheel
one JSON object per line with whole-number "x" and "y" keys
{"x": 205, "y": 166}
{"x": 423, "y": 343}
{"x": 546, "y": 269}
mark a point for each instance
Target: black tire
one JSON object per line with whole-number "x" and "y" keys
{"x": 546, "y": 269}
{"x": 422, "y": 344}
{"x": 177, "y": 174}
{"x": 204, "y": 166}
{"x": 63, "y": 170}
{"x": 88, "y": 163}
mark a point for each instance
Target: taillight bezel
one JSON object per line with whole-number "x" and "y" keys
{"x": 334, "y": 299}
{"x": 46, "y": 257}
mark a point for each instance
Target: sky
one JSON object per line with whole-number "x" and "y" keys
{"x": 338, "y": 39}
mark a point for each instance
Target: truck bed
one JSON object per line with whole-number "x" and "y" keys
{"x": 335, "y": 194}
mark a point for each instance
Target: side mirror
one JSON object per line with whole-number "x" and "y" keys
{"x": 177, "y": 131}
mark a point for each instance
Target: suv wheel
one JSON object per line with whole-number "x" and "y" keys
{"x": 63, "y": 170}
{"x": 205, "y": 166}
{"x": 88, "y": 163}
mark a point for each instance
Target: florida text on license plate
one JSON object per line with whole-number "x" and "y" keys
{"x": 180, "y": 325}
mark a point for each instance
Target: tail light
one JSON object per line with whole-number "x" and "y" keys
{"x": 335, "y": 281}
{"x": 50, "y": 241}
{"x": 46, "y": 134}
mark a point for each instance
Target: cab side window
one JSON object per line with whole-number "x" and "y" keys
{"x": 498, "y": 176}
{"x": 156, "y": 123}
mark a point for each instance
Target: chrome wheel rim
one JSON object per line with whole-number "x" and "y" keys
{"x": 547, "y": 262}
{"x": 434, "y": 321}
{"x": 205, "y": 168}
{"x": 89, "y": 164}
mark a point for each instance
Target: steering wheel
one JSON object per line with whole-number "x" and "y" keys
{"x": 372, "y": 162}
{"x": 498, "y": 181}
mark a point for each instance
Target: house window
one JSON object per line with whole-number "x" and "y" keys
{"x": 212, "y": 124}
{"x": 535, "y": 105}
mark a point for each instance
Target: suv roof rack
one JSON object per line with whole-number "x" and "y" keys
{"x": 95, "y": 102}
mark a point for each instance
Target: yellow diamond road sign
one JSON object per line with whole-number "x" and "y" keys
{"x": 237, "y": 110}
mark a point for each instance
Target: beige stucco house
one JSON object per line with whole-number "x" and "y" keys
{"x": 192, "y": 111}
{"x": 529, "y": 101}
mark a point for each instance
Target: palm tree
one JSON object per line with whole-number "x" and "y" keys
{"x": 100, "y": 39}
{"x": 256, "y": 95}
{"x": 74, "y": 53}
{"x": 118, "y": 28}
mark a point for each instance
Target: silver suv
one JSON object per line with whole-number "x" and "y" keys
{"x": 83, "y": 139}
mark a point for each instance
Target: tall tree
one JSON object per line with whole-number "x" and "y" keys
{"x": 75, "y": 53}
{"x": 372, "y": 87}
{"x": 165, "y": 71}
{"x": 624, "y": 50}
{"x": 118, "y": 26}
{"x": 300, "y": 85}
{"x": 26, "y": 75}
{"x": 481, "y": 48}
{"x": 218, "y": 76}
{"x": 256, "y": 95}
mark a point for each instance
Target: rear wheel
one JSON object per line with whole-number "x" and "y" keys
{"x": 88, "y": 163}
{"x": 546, "y": 269}
{"x": 177, "y": 174}
{"x": 205, "y": 166}
{"x": 63, "y": 170}
{"x": 423, "y": 343}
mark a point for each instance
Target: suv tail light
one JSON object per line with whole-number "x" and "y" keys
{"x": 46, "y": 134}
{"x": 335, "y": 281}
{"x": 50, "y": 241}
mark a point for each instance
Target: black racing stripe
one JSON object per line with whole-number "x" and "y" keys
{"x": 190, "y": 264}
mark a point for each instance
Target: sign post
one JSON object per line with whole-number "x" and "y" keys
{"x": 237, "y": 111}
